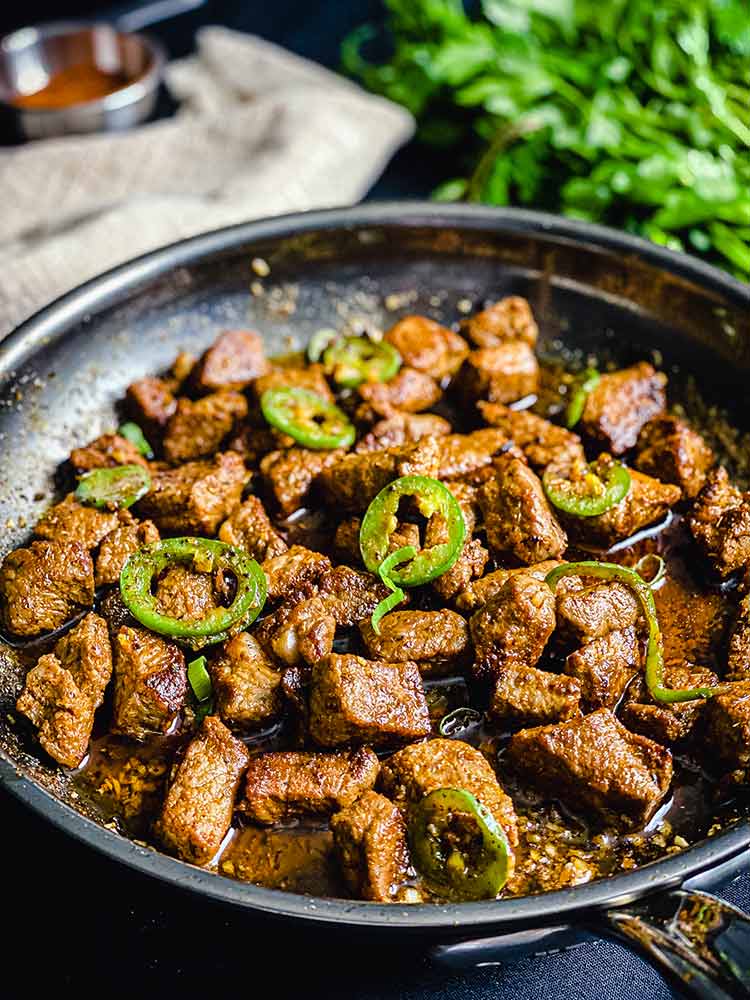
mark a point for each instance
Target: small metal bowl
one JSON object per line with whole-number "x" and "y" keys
{"x": 30, "y": 56}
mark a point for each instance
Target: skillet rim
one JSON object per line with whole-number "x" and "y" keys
{"x": 555, "y": 907}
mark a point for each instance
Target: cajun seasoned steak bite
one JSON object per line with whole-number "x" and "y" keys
{"x": 150, "y": 403}
{"x": 312, "y": 378}
{"x": 150, "y": 683}
{"x": 253, "y": 443}
{"x": 662, "y": 721}
{"x": 499, "y": 374}
{"x": 435, "y": 640}
{"x": 249, "y": 528}
{"x": 246, "y": 683}
{"x": 197, "y": 429}
{"x": 44, "y": 585}
{"x": 290, "y": 474}
{"x": 195, "y": 497}
{"x": 720, "y": 523}
{"x": 116, "y": 548}
{"x": 727, "y": 718}
{"x": 281, "y": 786}
{"x": 351, "y": 595}
{"x": 353, "y": 700}
{"x": 294, "y": 569}
{"x": 525, "y": 696}
{"x": 185, "y": 594}
{"x": 63, "y": 691}
{"x": 410, "y": 391}
{"x": 469, "y": 566}
{"x": 590, "y": 612}
{"x": 466, "y": 455}
{"x": 427, "y": 346}
{"x": 371, "y": 844}
{"x": 197, "y": 811}
{"x": 71, "y": 521}
{"x": 621, "y": 404}
{"x": 478, "y": 593}
{"x": 670, "y": 450}
{"x": 298, "y": 633}
{"x": 421, "y": 768}
{"x": 510, "y": 318}
{"x": 596, "y": 764}
{"x": 541, "y": 442}
{"x": 106, "y": 452}
{"x": 738, "y": 653}
{"x": 402, "y": 428}
{"x": 233, "y": 361}
{"x": 605, "y": 666}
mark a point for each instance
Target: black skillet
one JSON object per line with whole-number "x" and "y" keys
{"x": 592, "y": 288}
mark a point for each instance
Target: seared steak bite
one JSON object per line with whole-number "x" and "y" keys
{"x": 185, "y": 594}
{"x": 150, "y": 683}
{"x": 589, "y": 612}
{"x": 402, "y": 428}
{"x": 720, "y": 523}
{"x": 594, "y": 763}
{"x": 466, "y": 455}
{"x": 351, "y": 595}
{"x": 621, "y": 404}
{"x": 662, "y": 721}
{"x": 197, "y": 811}
{"x": 469, "y": 566}
{"x": 512, "y": 629}
{"x": 346, "y": 539}
{"x": 233, "y": 361}
{"x": 150, "y": 403}
{"x": 249, "y": 528}
{"x": 517, "y": 517}
{"x": 499, "y": 374}
{"x": 195, "y": 497}
{"x": 525, "y": 696}
{"x": 427, "y": 346}
{"x": 477, "y": 594}
{"x": 246, "y": 683}
{"x": 282, "y": 786}
{"x": 106, "y": 452}
{"x": 421, "y": 768}
{"x": 70, "y": 521}
{"x": 435, "y": 640}
{"x": 370, "y": 839}
{"x": 727, "y": 719}
{"x": 353, "y": 700}
{"x": 541, "y": 442}
{"x": 510, "y": 318}
{"x": 289, "y": 474}
{"x": 410, "y": 391}
{"x": 254, "y": 443}
{"x": 738, "y": 658}
{"x": 312, "y": 378}
{"x": 63, "y": 691}
{"x": 197, "y": 429}
{"x": 671, "y": 451}
{"x": 293, "y": 569}
{"x": 605, "y": 666}
{"x": 116, "y": 548}
{"x": 42, "y": 586}
{"x": 299, "y": 633}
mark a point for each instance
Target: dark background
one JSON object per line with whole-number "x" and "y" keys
{"x": 75, "y": 922}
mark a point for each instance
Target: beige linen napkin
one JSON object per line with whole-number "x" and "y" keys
{"x": 260, "y": 131}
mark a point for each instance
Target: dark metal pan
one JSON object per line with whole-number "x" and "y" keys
{"x": 61, "y": 373}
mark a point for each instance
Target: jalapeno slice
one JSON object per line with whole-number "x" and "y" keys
{"x": 132, "y": 432}
{"x": 586, "y": 385}
{"x": 318, "y": 344}
{"x": 115, "y": 489}
{"x": 397, "y": 595}
{"x": 311, "y": 420}
{"x": 457, "y": 845}
{"x": 354, "y": 360}
{"x": 202, "y": 555}
{"x": 588, "y": 490}
{"x": 202, "y": 688}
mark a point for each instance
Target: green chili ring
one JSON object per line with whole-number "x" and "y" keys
{"x": 615, "y": 487}
{"x": 589, "y": 381}
{"x": 144, "y": 565}
{"x": 115, "y": 488}
{"x": 308, "y": 418}
{"x": 436, "y": 851}
{"x": 319, "y": 342}
{"x": 133, "y": 433}
{"x": 354, "y": 360}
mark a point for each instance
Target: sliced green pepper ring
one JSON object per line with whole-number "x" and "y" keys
{"x": 311, "y": 420}
{"x": 457, "y": 845}
{"x": 381, "y": 520}
{"x": 589, "y": 490}
{"x": 586, "y": 385}
{"x": 354, "y": 360}
{"x": 132, "y": 432}
{"x": 319, "y": 342}
{"x": 117, "y": 488}
{"x": 202, "y": 555}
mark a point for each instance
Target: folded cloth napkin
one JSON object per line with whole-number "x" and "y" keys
{"x": 259, "y": 132}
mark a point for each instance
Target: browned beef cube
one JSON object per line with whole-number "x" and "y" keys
{"x": 469, "y": 566}
{"x": 249, "y": 528}
{"x": 525, "y": 696}
{"x": 115, "y": 612}
{"x": 62, "y": 692}
{"x": 197, "y": 429}
{"x": 621, "y": 404}
{"x": 409, "y": 391}
{"x": 197, "y": 811}
{"x": 281, "y": 786}
{"x": 254, "y": 443}
{"x": 499, "y": 374}
{"x": 299, "y": 633}
{"x": 541, "y": 442}
{"x": 233, "y": 361}
{"x": 106, "y": 452}
{"x": 738, "y": 658}
{"x": 196, "y": 497}
{"x": 312, "y": 377}
{"x": 728, "y": 727}
{"x": 646, "y": 502}
{"x": 70, "y": 521}
{"x": 421, "y": 768}
{"x": 182, "y": 369}
{"x": 289, "y": 474}
{"x": 402, "y": 428}
{"x": 346, "y": 539}
{"x": 150, "y": 683}
{"x": 671, "y": 451}
{"x": 596, "y": 764}
{"x": 588, "y": 612}
{"x": 353, "y": 700}
{"x": 186, "y": 594}
{"x": 477, "y": 594}
{"x": 509, "y": 319}
{"x": 151, "y": 403}
{"x": 351, "y": 595}
{"x": 720, "y": 523}
{"x": 353, "y": 481}
{"x": 517, "y": 517}
{"x": 464, "y": 455}
{"x": 427, "y": 346}
{"x": 43, "y": 585}
{"x": 512, "y": 629}
{"x": 370, "y": 838}
{"x": 435, "y": 640}
{"x": 662, "y": 721}
{"x": 605, "y": 666}
{"x": 117, "y": 547}
{"x": 246, "y": 683}
{"x": 293, "y": 569}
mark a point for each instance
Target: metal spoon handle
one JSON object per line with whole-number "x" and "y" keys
{"x": 131, "y": 18}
